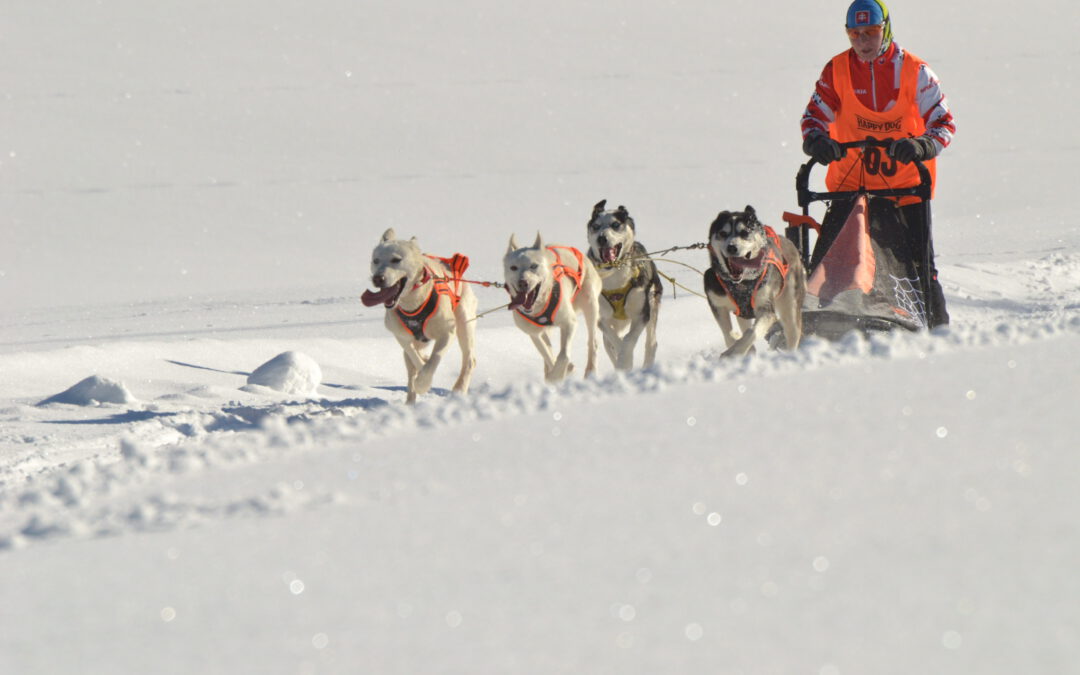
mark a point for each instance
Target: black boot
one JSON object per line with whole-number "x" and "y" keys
{"x": 939, "y": 315}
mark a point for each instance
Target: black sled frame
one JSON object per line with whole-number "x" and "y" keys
{"x": 832, "y": 325}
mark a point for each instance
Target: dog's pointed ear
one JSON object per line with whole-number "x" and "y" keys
{"x": 539, "y": 245}
{"x": 622, "y": 215}
{"x": 599, "y": 207}
{"x": 389, "y": 235}
{"x": 750, "y": 211}
{"x": 718, "y": 222}
{"x": 513, "y": 244}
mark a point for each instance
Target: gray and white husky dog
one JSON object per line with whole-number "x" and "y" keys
{"x": 426, "y": 305}
{"x": 548, "y": 286}
{"x": 756, "y": 275}
{"x": 631, "y": 285}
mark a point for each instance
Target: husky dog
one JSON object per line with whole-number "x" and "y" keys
{"x": 631, "y": 285}
{"x": 426, "y": 303}
{"x": 548, "y": 285}
{"x": 755, "y": 275}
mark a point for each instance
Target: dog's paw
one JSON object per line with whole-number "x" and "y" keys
{"x": 423, "y": 381}
{"x": 559, "y": 372}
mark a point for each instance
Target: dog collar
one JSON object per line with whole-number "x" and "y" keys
{"x": 423, "y": 279}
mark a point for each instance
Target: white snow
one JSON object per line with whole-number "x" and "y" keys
{"x": 191, "y": 190}
{"x": 289, "y": 373}
{"x": 93, "y": 390}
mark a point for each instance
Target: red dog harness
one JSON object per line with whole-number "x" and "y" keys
{"x": 441, "y": 287}
{"x": 744, "y": 293}
{"x": 559, "y": 271}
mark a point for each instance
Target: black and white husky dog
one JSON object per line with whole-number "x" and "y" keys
{"x": 632, "y": 287}
{"x": 756, "y": 275}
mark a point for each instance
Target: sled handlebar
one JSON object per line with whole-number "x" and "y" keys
{"x": 807, "y": 196}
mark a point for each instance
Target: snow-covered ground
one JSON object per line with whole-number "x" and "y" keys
{"x": 190, "y": 192}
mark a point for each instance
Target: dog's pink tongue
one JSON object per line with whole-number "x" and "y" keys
{"x": 379, "y": 297}
{"x": 608, "y": 254}
{"x": 742, "y": 264}
{"x": 518, "y": 299}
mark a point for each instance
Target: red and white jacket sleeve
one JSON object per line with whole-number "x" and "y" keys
{"x": 821, "y": 110}
{"x": 935, "y": 109}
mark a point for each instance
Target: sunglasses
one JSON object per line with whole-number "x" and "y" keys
{"x": 870, "y": 31}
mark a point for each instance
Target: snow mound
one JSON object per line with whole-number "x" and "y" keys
{"x": 288, "y": 372}
{"x": 92, "y": 391}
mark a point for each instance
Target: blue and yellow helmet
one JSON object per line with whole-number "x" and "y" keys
{"x": 871, "y": 13}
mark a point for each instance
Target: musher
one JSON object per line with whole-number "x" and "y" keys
{"x": 877, "y": 89}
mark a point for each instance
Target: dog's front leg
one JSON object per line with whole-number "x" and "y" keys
{"x": 650, "y": 334}
{"x": 745, "y": 344}
{"x": 466, "y": 333}
{"x": 590, "y": 310}
{"x": 411, "y": 368}
{"x": 790, "y": 316}
{"x": 562, "y": 366}
{"x": 629, "y": 342}
{"x": 427, "y": 371}
{"x": 723, "y": 319}
{"x": 543, "y": 345}
{"x": 611, "y": 341}
{"x": 791, "y": 322}
{"x": 748, "y": 326}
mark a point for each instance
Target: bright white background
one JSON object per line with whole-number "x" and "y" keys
{"x": 188, "y": 189}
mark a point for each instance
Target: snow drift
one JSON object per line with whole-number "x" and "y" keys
{"x": 289, "y": 373}
{"x": 92, "y": 391}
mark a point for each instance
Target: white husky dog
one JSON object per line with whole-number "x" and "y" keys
{"x": 548, "y": 285}
{"x": 426, "y": 304}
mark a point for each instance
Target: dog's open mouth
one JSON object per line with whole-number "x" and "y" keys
{"x": 745, "y": 267}
{"x": 525, "y": 299}
{"x": 384, "y": 296}
{"x": 610, "y": 254}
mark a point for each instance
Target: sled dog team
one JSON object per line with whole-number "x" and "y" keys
{"x": 754, "y": 275}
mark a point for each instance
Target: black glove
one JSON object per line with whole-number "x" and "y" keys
{"x": 822, "y": 148}
{"x": 907, "y": 150}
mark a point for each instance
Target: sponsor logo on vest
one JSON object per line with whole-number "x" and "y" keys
{"x": 880, "y": 127}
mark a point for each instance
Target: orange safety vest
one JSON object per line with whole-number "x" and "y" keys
{"x": 558, "y": 271}
{"x": 872, "y": 167}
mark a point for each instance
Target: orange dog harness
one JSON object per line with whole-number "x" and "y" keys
{"x": 441, "y": 287}
{"x": 744, "y": 293}
{"x": 559, "y": 271}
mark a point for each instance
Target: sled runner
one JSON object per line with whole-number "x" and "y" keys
{"x": 866, "y": 272}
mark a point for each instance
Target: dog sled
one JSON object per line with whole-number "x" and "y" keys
{"x": 874, "y": 275}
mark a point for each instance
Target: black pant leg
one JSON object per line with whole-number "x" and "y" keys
{"x": 914, "y": 218}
